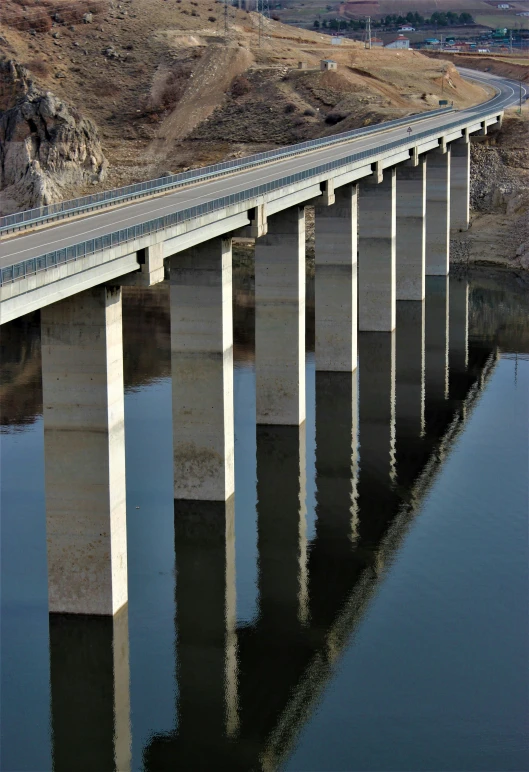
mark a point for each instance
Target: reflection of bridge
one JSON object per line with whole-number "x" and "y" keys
{"x": 244, "y": 692}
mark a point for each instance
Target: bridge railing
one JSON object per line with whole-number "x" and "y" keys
{"x": 64, "y": 209}
{"x": 51, "y": 259}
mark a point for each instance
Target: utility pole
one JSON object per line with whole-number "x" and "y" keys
{"x": 368, "y": 33}
{"x": 510, "y": 41}
{"x": 225, "y": 17}
{"x": 520, "y": 109}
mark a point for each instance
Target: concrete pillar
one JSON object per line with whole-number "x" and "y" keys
{"x": 336, "y": 279}
{"x": 376, "y": 432}
{"x": 438, "y": 213}
{"x": 151, "y": 260}
{"x": 376, "y": 252}
{"x": 202, "y": 372}
{"x": 84, "y": 450}
{"x": 436, "y": 345}
{"x": 280, "y": 319}
{"x": 409, "y": 391}
{"x": 458, "y": 332}
{"x": 411, "y": 230}
{"x": 282, "y": 526}
{"x": 206, "y": 617}
{"x": 460, "y": 184}
{"x": 90, "y": 692}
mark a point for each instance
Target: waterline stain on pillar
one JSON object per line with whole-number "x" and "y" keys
{"x": 376, "y": 254}
{"x": 336, "y": 282}
{"x": 202, "y": 371}
{"x": 84, "y": 448}
{"x": 280, "y": 319}
{"x": 438, "y": 213}
{"x": 411, "y": 230}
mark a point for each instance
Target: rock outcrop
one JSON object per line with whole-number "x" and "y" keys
{"x": 47, "y": 149}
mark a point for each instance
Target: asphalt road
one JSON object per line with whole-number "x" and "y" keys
{"x": 68, "y": 232}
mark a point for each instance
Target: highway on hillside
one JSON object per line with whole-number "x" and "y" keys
{"x": 68, "y": 232}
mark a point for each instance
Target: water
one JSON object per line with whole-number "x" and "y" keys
{"x": 371, "y": 612}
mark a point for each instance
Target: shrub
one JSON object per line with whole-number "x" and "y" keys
{"x": 310, "y": 112}
{"x": 335, "y": 117}
{"x": 38, "y": 66}
{"x": 212, "y": 18}
{"x": 290, "y": 108}
{"x": 240, "y": 85}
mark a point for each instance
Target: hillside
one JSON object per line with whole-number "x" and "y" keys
{"x": 170, "y": 84}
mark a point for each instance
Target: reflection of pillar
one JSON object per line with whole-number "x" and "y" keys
{"x": 438, "y": 213}
{"x": 202, "y": 371}
{"x": 411, "y": 230}
{"x": 436, "y": 335}
{"x": 206, "y": 621}
{"x": 280, "y": 319}
{"x": 281, "y": 524}
{"x": 460, "y": 184}
{"x": 90, "y": 695}
{"x": 376, "y": 250}
{"x": 377, "y": 429}
{"x": 84, "y": 441}
{"x": 336, "y": 265}
{"x": 458, "y": 329}
{"x": 409, "y": 387}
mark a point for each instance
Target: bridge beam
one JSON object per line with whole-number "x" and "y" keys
{"x": 336, "y": 281}
{"x": 377, "y": 252}
{"x": 202, "y": 371}
{"x": 438, "y": 213}
{"x": 460, "y": 184}
{"x": 411, "y": 230}
{"x": 84, "y": 449}
{"x": 280, "y": 319}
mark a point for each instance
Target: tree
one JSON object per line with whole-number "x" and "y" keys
{"x": 466, "y": 18}
{"x": 316, "y": 24}
{"x": 324, "y": 24}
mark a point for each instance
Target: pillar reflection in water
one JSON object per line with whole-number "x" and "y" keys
{"x": 206, "y": 624}
{"x": 90, "y": 694}
{"x": 281, "y": 524}
{"x": 458, "y": 332}
{"x": 437, "y": 342}
{"x": 377, "y": 432}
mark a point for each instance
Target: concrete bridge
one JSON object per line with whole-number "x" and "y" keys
{"x": 385, "y": 201}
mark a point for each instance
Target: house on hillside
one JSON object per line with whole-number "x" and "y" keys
{"x": 407, "y": 29}
{"x": 328, "y": 64}
{"x": 399, "y": 42}
{"x": 377, "y": 43}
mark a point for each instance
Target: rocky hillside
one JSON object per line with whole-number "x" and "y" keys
{"x": 156, "y": 85}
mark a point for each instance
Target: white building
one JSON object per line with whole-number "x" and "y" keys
{"x": 328, "y": 64}
{"x": 398, "y": 42}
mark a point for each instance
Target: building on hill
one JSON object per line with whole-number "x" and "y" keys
{"x": 377, "y": 43}
{"x": 328, "y": 64}
{"x": 399, "y": 42}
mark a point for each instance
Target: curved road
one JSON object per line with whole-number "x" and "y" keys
{"x": 68, "y": 232}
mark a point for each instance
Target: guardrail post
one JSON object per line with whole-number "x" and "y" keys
{"x": 280, "y": 319}
{"x": 202, "y": 371}
{"x": 84, "y": 441}
{"x": 336, "y": 281}
{"x": 376, "y": 253}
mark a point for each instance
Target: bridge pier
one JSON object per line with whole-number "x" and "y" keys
{"x": 336, "y": 281}
{"x": 376, "y": 250}
{"x": 410, "y": 419}
{"x": 458, "y": 330}
{"x": 202, "y": 371}
{"x": 84, "y": 449}
{"x": 90, "y": 692}
{"x": 281, "y": 526}
{"x": 436, "y": 348}
{"x": 460, "y": 184}
{"x": 411, "y": 229}
{"x": 280, "y": 319}
{"x": 438, "y": 212}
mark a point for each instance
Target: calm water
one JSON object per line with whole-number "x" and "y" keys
{"x": 371, "y": 611}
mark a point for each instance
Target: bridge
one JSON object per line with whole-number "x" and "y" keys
{"x": 385, "y": 199}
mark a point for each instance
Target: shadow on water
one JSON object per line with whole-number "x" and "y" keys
{"x": 382, "y": 433}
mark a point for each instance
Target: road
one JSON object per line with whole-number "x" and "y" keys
{"x": 68, "y": 232}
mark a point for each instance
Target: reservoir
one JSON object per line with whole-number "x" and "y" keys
{"x": 360, "y": 605}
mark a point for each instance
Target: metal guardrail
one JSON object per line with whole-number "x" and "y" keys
{"x": 75, "y": 206}
{"x": 51, "y": 259}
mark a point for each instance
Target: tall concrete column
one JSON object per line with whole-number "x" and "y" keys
{"x": 458, "y": 332}
{"x": 282, "y": 526}
{"x": 84, "y": 451}
{"x": 438, "y": 213}
{"x": 411, "y": 229}
{"x": 336, "y": 279}
{"x": 460, "y": 184}
{"x": 206, "y": 617}
{"x": 376, "y": 253}
{"x": 437, "y": 337}
{"x": 280, "y": 319}
{"x": 202, "y": 372}
{"x": 90, "y": 692}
